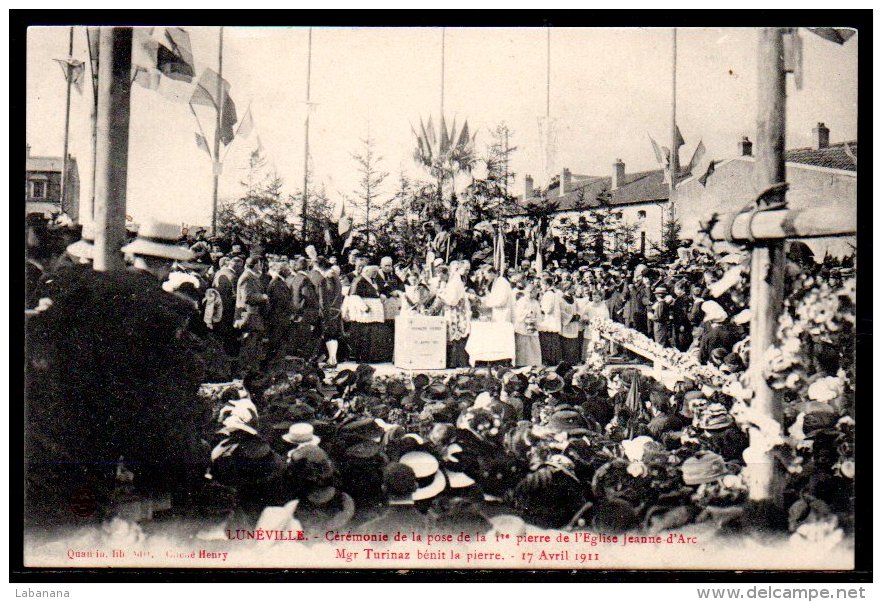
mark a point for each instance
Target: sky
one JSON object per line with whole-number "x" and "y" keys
{"x": 609, "y": 89}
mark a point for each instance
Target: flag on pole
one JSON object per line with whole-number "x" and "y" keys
{"x": 344, "y": 224}
{"x": 246, "y": 125}
{"x": 430, "y": 132}
{"x": 659, "y": 156}
{"x": 696, "y": 159}
{"x": 205, "y": 94}
{"x": 464, "y": 136}
{"x": 678, "y": 141}
{"x": 202, "y": 143}
{"x": 73, "y": 72}
{"x": 162, "y": 61}
{"x": 445, "y": 138}
{"x": 838, "y": 35}
{"x": 707, "y": 173}
{"x": 174, "y": 56}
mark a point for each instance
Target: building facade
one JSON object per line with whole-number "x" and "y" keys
{"x": 642, "y": 198}
{"x": 43, "y": 187}
{"x": 821, "y": 175}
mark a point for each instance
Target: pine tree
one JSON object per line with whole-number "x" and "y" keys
{"x": 368, "y": 195}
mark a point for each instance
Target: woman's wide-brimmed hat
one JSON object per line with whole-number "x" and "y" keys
{"x": 85, "y": 247}
{"x": 704, "y": 467}
{"x": 158, "y": 239}
{"x": 430, "y": 479}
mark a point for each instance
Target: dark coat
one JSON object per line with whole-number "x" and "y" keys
{"x": 250, "y": 302}
{"x": 225, "y": 284}
{"x": 280, "y": 307}
{"x": 718, "y": 335}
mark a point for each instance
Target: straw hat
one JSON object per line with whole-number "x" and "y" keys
{"x": 430, "y": 479}
{"x": 301, "y": 433}
{"x": 85, "y": 247}
{"x": 158, "y": 239}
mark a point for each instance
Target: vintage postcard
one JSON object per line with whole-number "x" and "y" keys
{"x": 441, "y": 297}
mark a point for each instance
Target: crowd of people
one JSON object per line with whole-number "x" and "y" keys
{"x": 544, "y": 438}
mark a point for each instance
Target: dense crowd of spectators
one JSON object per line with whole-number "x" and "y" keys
{"x": 115, "y": 361}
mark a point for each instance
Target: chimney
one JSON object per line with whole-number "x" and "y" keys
{"x": 28, "y": 150}
{"x": 820, "y": 136}
{"x": 528, "y": 186}
{"x": 745, "y": 147}
{"x": 618, "y": 177}
{"x": 566, "y": 181}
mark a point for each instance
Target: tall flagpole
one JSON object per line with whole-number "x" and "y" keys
{"x": 306, "y": 135}
{"x": 548, "y": 75}
{"x": 92, "y": 39}
{"x": 64, "y": 161}
{"x": 441, "y": 117}
{"x": 443, "y": 44}
{"x": 216, "y": 165}
{"x": 675, "y": 150}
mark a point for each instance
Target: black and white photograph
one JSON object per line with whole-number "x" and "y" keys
{"x": 442, "y": 297}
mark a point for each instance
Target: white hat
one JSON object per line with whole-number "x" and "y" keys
{"x": 280, "y": 518}
{"x": 713, "y": 311}
{"x": 158, "y": 239}
{"x": 85, "y": 247}
{"x": 457, "y": 480}
{"x": 301, "y": 433}
{"x": 424, "y": 466}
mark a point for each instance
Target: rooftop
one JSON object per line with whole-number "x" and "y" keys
{"x": 835, "y": 156}
{"x": 44, "y": 164}
{"x": 638, "y": 187}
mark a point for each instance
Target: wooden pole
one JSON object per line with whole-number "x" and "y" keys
{"x": 443, "y": 51}
{"x": 93, "y": 43}
{"x": 64, "y": 160}
{"x": 216, "y": 164}
{"x": 675, "y": 149}
{"x": 810, "y": 222}
{"x": 548, "y": 73}
{"x": 306, "y": 137}
{"x": 112, "y": 148}
{"x": 765, "y": 481}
